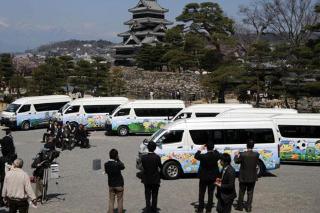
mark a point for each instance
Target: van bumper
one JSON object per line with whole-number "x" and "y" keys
{"x": 6, "y": 122}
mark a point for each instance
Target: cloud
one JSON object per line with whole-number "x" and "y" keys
{"x": 3, "y": 23}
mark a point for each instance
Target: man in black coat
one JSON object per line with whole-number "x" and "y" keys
{"x": 151, "y": 164}
{"x": 113, "y": 169}
{"x": 208, "y": 172}
{"x": 248, "y": 175}
{"x": 226, "y": 192}
{"x": 7, "y": 147}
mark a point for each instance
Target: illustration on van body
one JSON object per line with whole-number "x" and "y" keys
{"x": 190, "y": 165}
{"x": 39, "y": 118}
{"x": 139, "y": 125}
{"x": 89, "y": 121}
{"x": 300, "y": 150}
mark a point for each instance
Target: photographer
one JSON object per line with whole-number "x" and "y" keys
{"x": 59, "y": 136}
{"x": 50, "y": 131}
{"x": 43, "y": 161}
{"x": 66, "y": 138}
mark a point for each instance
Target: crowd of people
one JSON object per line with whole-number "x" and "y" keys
{"x": 16, "y": 187}
{"x": 66, "y": 136}
{"x": 209, "y": 173}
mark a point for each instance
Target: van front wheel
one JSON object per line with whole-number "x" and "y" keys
{"x": 123, "y": 131}
{"x": 171, "y": 170}
{"x": 25, "y": 125}
{"x": 261, "y": 169}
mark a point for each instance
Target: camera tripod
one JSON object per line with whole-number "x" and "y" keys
{"x": 45, "y": 183}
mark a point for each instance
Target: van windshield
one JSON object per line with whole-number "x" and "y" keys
{"x": 62, "y": 109}
{"x": 12, "y": 108}
{"x": 156, "y": 134}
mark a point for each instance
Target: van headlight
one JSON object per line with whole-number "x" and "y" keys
{"x": 12, "y": 119}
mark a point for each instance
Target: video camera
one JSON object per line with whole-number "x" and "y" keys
{"x": 47, "y": 156}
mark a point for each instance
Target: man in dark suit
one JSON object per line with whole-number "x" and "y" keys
{"x": 248, "y": 175}
{"x": 226, "y": 186}
{"x": 208, "y": 172}
{"x": 113, "y": 169}
{"x": 151, "y": 164}
{"x": 7, "y": 147}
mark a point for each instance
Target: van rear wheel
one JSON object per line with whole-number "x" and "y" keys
{"x": 171, "y": 170}
{"x": 123, "y": 131}
{"x": 261, "y": 169}
{"x": 25, "y": 125}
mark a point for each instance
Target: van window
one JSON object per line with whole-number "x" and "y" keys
{"x": 206, "y": 115}
{"x": 99, "y": 108}
{"x": 156, "y": 112}
{"x": 122, "y": 112}
{"x": 49, "y": 106}
{"x": 232, "y": 136}
{"x": 72, "y": 109}
{"x": 174, "y": 136}
{"x": 12, "y": 107}
{"x": 295, "y": 131}
{"x": 25, "y": 108}
{"x": 184, "y": 116}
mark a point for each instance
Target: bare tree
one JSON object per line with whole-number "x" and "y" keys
{"x": 287, "y": 18}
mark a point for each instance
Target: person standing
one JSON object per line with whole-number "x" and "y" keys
{"x": 248, "y": 175}
{"x": 17, "y": 189}
{"x": 208, "y": 172}
{"x": 226, "y": 192}
{"x": 151, "y": 164}
{"x": 7, "y": 147}
{"x": 113, "y": 169}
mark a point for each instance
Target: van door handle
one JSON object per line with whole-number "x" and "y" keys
{"x": 179, "y": 147}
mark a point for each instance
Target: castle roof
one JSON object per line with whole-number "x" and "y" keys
{"x": 149, "y": 20}
{"x": 148, "y": 5}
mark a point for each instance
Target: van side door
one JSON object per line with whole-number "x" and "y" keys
{"x": 24, "y": 114}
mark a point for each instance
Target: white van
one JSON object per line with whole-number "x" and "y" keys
{"x": 143, "y": 116}
{"x": 207, "y": 110}
{"x": 179, "y": 141}
{"x": 91, "y": 112}
{"x": 256, "y": 113}
{"x": 29, "y": 112}
{"x": 300, "y": 137}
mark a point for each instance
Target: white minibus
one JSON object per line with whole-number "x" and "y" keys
{"x": 300, "y": 137}
{"x": 179, "y": 141}
{"x": 91, "y": 112}
{"x": 256, "y": 113}
{"x": 143, "y": 116}
{"x": 207, "y": 110}
{"x": 29, "y": 112}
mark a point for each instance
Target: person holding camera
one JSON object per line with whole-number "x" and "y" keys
{"x": 208, "y": 172}
{"x": 17, "y": 189}
{"x": 39, "y": 166}
{"x": 248, "y": 161}
{"x": 81, "y": 136}
{"x": 113, "y": 169}
{"x": 50, "y": 131}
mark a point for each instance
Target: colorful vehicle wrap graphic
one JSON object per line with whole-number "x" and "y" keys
{"x": 190, "y": 165}
{"x": 300, "y": 150}
{"x": 35, "y": 119}
{"x": 139, "y": 125}
{"x": 89, "y": 121}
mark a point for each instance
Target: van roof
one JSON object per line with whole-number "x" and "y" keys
{"x": 215, "y": 120}
{"x": 214, "y": 106}
{"x": 94, "y": 100}
{"x": 315, "y": 116}
{"x": 42, "y": 98}
{"x": 270, "y": 111}
{"x": 153, "y": 103}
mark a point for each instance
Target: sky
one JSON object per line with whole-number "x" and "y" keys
{"x": 26, "y": 24}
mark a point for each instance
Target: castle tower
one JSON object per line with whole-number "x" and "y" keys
{"x": 147, "y": 26}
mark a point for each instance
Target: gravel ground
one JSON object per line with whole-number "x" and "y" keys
{"x": 292, "y": 188}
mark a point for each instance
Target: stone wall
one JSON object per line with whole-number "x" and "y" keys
{"x": 162, "y": 84}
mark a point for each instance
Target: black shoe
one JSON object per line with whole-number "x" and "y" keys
{"x": 199, "y": 211}
{"x": 208, "y": 210}
{"x": 239, "y": 208}
{"x": 248, "y": 209}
